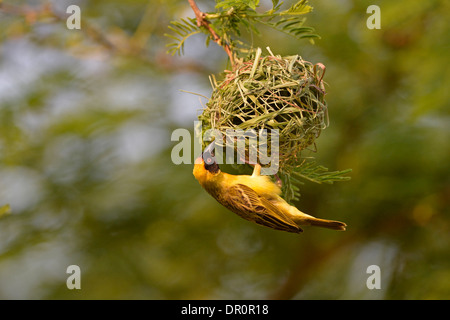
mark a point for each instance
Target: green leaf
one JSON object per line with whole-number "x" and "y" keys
{"x": 310, "y": 171}
{"x": 298, "y": 8}
{"x": 182, "y": 30}
{"x": 275, "y": 3}
{"x": 319, "y": 174}
{"x": 253, "y": 4}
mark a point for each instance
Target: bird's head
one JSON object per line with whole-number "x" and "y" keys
{"x": 206, "y": 164}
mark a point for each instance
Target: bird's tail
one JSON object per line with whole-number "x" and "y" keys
{"x": 304, "y": 219}
{"x": 330, "y": 224}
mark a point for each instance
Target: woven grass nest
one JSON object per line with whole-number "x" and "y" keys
{"x": 271, "y": 92}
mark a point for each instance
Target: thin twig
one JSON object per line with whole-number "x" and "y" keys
{"x": 203, "y": 22}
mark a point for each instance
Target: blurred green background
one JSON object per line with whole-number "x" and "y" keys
{"x": 85, "y": 124}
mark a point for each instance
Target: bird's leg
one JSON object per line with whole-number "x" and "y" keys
{"x": 256, "y": 170}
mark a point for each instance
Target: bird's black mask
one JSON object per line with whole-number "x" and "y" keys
{"x": 209, "y": 159}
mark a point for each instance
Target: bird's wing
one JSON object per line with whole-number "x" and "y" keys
{"x": 245, "y": 202}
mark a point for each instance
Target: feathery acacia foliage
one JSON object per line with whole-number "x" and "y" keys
{"x": 232, "y": 16}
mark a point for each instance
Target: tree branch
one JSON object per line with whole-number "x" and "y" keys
{"x": 203, "y": 22}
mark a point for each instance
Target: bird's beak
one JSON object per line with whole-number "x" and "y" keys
{"x": 208, "y": 153}
{"x": 210, "y": 148}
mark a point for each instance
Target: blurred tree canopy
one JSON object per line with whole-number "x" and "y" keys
{"x": 85, "y": 124}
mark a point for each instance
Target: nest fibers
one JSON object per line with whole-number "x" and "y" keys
{"x": 271, "y": 92}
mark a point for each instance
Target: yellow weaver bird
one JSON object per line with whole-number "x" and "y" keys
{"x": 255, "y": 198}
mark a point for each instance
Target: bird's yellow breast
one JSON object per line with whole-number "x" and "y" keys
{"x": 262, "y": 185}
